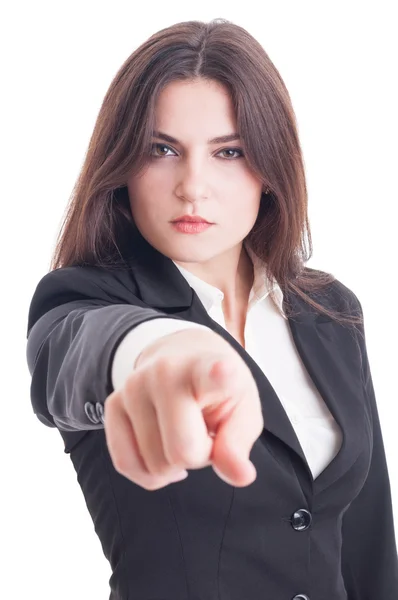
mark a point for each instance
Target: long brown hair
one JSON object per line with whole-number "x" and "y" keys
{"x": 98, "y": 219}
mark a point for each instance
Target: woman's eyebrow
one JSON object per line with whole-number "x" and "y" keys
{"x": 222, "y": 139}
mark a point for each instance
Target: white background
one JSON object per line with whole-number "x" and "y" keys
{"x": 339, "y": 62}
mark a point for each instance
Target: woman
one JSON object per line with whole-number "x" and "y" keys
{"x": 213, "y": 392}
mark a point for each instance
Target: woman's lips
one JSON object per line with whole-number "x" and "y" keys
{"x": 191, "y": 226}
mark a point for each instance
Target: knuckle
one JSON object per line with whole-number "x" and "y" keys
{"x": 187, "y": 453}
{"x": 152, "y": 485}
{"x": 111, "y": 401}
{"x": 152, "y": 482}
{"x": 178, "y": 457}
{"x": 131, "y": 383}
{"x": 121, "y": 465}
{"x": 163, "y": 368}
{"x": 156, "y": 470}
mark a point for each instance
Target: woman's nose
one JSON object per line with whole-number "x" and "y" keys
{"x": 193, "y": 182}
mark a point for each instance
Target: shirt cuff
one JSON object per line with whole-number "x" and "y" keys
{"x": 134, "y": 342}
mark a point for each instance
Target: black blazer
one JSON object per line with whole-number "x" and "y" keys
{"x": 286, "y": 536}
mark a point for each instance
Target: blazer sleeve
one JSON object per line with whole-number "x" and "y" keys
{"x": 76, "y": 321}
{"x": 369, "y": 551}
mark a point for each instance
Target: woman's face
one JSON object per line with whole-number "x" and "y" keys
{"x": 195, "y": 176}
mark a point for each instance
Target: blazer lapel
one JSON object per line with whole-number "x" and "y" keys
{"x": 328, "y": 350}
{"x": 331, "y": 355}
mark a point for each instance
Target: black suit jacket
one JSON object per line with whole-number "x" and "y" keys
{"x": 286, "y": 535}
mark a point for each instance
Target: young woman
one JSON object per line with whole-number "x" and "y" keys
{"x": 214, "y": 393}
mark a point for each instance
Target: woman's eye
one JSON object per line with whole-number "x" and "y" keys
{"x": 158, "y": 146}
{"x": 240, "y": 153}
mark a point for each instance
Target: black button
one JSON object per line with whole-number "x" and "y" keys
{"x": 100, "y": 411}
{"x": 301, "y": 597}
{"x": 91, "y": 413}
{"x": 301, "y": 519}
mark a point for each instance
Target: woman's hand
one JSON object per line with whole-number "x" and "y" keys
{"x": 190, "y": 402}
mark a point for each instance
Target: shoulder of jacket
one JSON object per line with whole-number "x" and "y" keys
{"x": 336, "y": 294}
{"x": 85, "y": 283}
{"x": 347, "y": 296}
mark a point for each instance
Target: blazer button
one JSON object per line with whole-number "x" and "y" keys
{"x": 301, "y": 519}
{"x": 301, "y": 597}
{"x": 91, "y": 413}
{"x": 100, "y": 411}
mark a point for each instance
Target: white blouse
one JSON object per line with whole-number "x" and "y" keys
{"x": 269, "y": 342}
